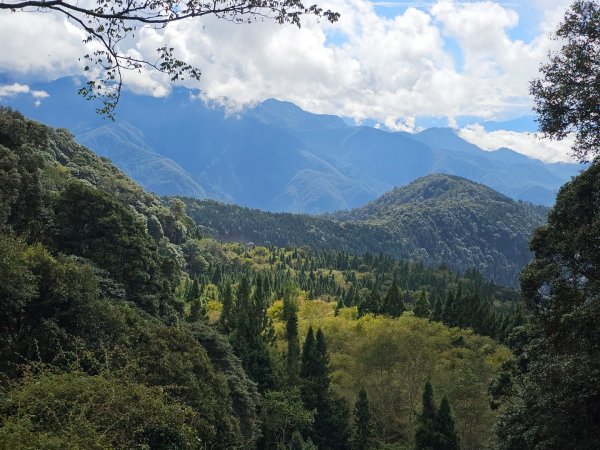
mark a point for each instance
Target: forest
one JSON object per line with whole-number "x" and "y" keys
{"x": 125, "y": 325}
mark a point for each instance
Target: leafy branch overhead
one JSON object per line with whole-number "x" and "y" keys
{"x": 109, "y": 22}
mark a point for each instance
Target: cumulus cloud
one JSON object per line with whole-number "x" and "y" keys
{"x": 530, "y": 144}
{"x": 11, "y": 90}
{"x": 391, "y": 69}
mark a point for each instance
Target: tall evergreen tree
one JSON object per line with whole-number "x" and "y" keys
{"x": 393, "y": 305}
{"x": 426, "y": 435}
{"x": 436, "y": 314}
{"x": 252, "y": 333}
{"x": 422, "y": 306}
{"x": 226, "y": 319}
{"x": 363, "y": 430}
{"x": 290, "y": 315}
{"x": 445, "y": 425}
{"x": 371, "y": 304}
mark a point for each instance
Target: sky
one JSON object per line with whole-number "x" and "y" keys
{"x": 401, "y": 64}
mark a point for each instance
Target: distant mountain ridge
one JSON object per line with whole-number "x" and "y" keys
{"x": 278, "y": 157}
{"x": 437, "y": 219}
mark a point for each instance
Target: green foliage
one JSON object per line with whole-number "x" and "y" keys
{"x": 566, "y": 96}
{"x": 393, "y": 305}
{"x": 436, "y": 427}
{"x": 439, "y": 219}
{"x": 422, "y": 308}
{"x": 283, "y": 413}
{"x": 557, "y": 353}
{"x": 363, "y": 432}
{"x": 75, "y": 410}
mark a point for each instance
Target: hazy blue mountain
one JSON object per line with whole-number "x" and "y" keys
{"x": 277, "y": 157}
{"x": 125, "y": 144}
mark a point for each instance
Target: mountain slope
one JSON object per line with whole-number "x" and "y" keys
{"x": 437, "y": 219}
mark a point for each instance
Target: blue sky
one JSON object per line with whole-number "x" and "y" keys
{"x": 401, "y": 64}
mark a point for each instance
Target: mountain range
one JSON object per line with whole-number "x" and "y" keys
{"x": 277, "y": 157}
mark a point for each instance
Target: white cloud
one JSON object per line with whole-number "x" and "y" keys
{"x": 10, "y": 90}
{"x": 529, "y": 144}
{"x": 364, "y": 66}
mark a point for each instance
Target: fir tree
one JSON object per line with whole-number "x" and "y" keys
{"x": 445, "y": 425}
{"x": 194, "y": 291}
{"x": 393, "y": 305}
{"x": 421, "y": 308}
{"x": 226, "y": 319}
{"x": 290, "y": 315}
{"x": 370, "y": 305}
{"x": 436, "y": 314}
{"x": 363, "y": 431}
{"x": 426, "y": 435}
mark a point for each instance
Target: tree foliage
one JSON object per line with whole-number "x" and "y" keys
{"x": 557, "y": 355}
{"x": 568, "y": 93}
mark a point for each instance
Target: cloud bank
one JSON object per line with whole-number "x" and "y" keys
{"x": 437, "y": 59}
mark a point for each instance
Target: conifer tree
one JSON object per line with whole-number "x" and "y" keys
{"x": 436, "y": 314}
{"x": 290, "y": 315}
{"x": 448, "y": 313}
{"x": 426, "y": 435}
{"x": 252, "y": 333}
{"x": 445, "y": 424}
{"x": 363, "y": 431}
{"x": 422, "y": 306}
{"x": 194, "y": 291}
{"x": 393, "y": 305}
{"x": 226, "y": 319}
{"x": 371, "y": 304}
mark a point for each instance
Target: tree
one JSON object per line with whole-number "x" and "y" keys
{"x": 290, "y": 315}
{"x": 363, "y": 431}
{"x": 422, "y": 306}
{"x": 371, "y": 304}
{"x": 426, "y": 435}
{"x": 110, "y": 23}
{"x": 330, "y": 429}
{"x": 393, "y": 305}
{"x": 445, "y": 423}
{"x": 558, "y": 360}
{"x": 568, "y": 93}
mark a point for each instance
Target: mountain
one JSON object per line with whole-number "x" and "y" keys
{"x": 437, "y": 219}
{"x": 275, "y": 156}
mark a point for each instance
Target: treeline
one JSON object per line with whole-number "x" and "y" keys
{"x": 375, "y": 284}
{"x": 436, "y": 220}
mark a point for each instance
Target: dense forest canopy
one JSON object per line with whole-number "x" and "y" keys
{"x": 113, "y": 299}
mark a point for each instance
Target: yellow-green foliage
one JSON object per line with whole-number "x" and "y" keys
{"x": 393, "y": 358}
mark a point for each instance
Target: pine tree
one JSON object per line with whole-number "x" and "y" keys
{"x": 372, "y": 304}
{"x": 426, "y": 435}
{"x": 445, "y": 424}
{"x": 421, "y": 308}
{"x": 226, "y": 319}
{"x": 198, "y": 311}
{"x": 194, "y": 291}
{"x": 330, "y": 428}
{"x": 393, "y": 305}
{"x": 448, "y": 313}
{"x": 436, "y": 315}
{"x": 363, "y": 431}
{"x": 253, "y": 333}
{"x": 290, "y": 315}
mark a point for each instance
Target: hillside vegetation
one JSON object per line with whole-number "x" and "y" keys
{"x": 122, "y": 326}
{"x": 438, "y": 219}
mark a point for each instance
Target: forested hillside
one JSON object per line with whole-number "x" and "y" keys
{"x": 437, "y": 219}
{"x": 123, "y": 326}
